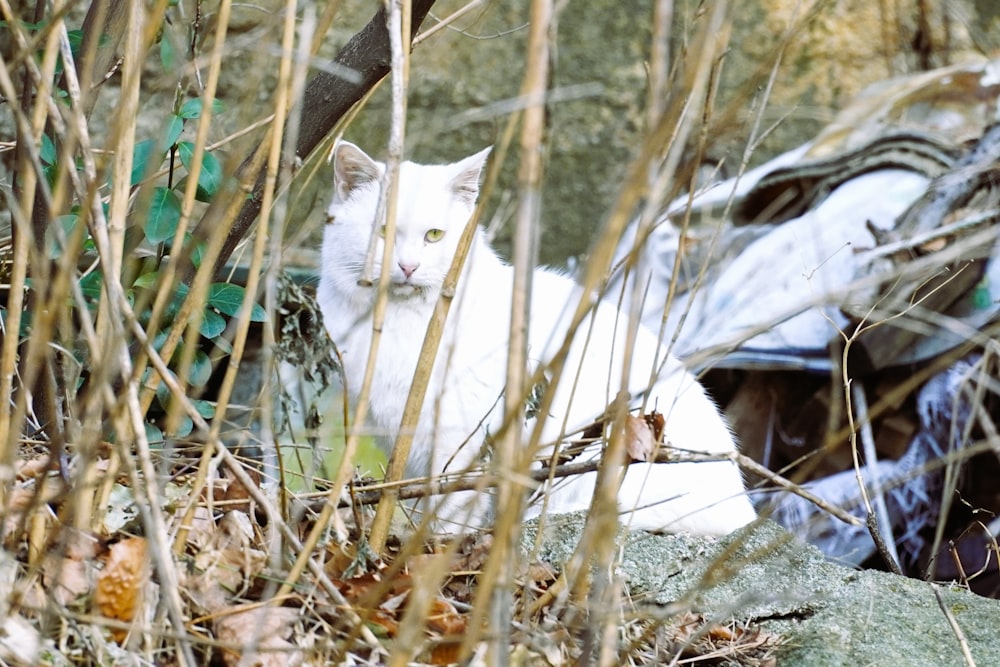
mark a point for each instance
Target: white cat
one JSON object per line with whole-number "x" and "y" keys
{"x": 464, "y": 403}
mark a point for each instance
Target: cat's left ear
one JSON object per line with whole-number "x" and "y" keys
{"x": 465, "y": 185}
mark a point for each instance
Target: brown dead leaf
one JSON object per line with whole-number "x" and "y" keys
{"x": 656, "y": 421}
{"x": 474, "y": 553}
{"x": 383, "y": 614}
{"x": 236, "y": 495}
{"x": 342, "y": 558}
{"x": 120, "y": 584}
{"x": 203, "y": 528}
{"x": 541, "y": 573}
{"x": 640, "y": 445}
{"x": 227, "y": 565}
{"x": 33, "y": 468}
{"x": 67, "y": 580}
{"x": 444, "y": 618}
{"x": 722, "y": 633}
{"x": 68, "y": 572}
{"x": 260, "y": 637}
{"x": 33, "y": 492}
{"x": 448, "y": 651}
{"x": 701, "y": 637}
{"x": 356, "y": 588}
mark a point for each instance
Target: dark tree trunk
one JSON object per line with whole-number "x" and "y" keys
{"x": 327, "y": 98}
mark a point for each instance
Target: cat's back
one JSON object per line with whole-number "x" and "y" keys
{"x": 599, "y": 351}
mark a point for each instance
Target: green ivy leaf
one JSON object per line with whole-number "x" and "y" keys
{"x": 51, "y": 173}
{"x": 158, "y": 340}
{"x": 90, "y": 285}
{"x": 146, "y": 280}
{"x": 75, "y": 38}
{"x": 55, "y": 244}
{"x": 167, "y": 55}
{"x": 204, "y": 408}
{"x": 210, "y": 177}
{"x": 258, "y": 314}
{"x": 24, "y": 330}
{"x": 227, "y": 298}
{"x": 180, "y": 294}
{"x": 197, "y": 252}
{"x": 192, "y": 108}
{"x": 145, "y": 152}
{"x": 172, "y": 132}
{"x": 201, "y": 372}
{"x": 223, "y": 345}
{"x": 47, "y": 151}
{"x": 184, "y": 427}
{"x": 212, "y": 324}
{"x": 164, "y": 214}
{"x": 153, "y": 434}
{"x": 30, "y": 27}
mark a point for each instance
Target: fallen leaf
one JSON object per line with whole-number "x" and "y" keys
{"x": 540, "y": 572}
{"x": 33, "y": 468}
{"x": 261, "y": 635}
{"x": 236, "y": 495}
{"x": 444, "y": 618}
{"x": 20, "y": 642}
{"x": 227, "y": 564}
{"x": 640, "y": 444}
{"x": 446, "y": 652}
{"x": 120, "y": 585}
{"x": 68, "y": 573}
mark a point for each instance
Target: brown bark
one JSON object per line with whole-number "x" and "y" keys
{"x": 328, "y": 96}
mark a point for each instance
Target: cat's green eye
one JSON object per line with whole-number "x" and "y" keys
{"x": 434, "y": 235}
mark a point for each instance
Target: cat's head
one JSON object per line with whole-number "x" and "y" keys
{"x": 433, "y": 206}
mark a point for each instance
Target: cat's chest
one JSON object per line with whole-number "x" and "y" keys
{"x": 402, "y": 335}
{"x": 468, "y": 372}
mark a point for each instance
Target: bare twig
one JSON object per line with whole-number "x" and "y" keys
{"x": 955, "y": 628}
{"x": 386, "y": 214}
{"x": 878, "y": 516}
{"x": 328, "y": 98}
{"x": 497, "y": 582}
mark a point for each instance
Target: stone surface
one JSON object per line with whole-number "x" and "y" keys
{"x": 826, "y": 614}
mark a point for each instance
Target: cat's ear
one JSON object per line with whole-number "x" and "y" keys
{"x": 352, "y": 168}
{"x": 465, "y": 184}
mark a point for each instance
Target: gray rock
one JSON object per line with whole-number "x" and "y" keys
{"x": 826, "y": 614}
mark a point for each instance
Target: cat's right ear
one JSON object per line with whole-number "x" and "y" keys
{"x": 465, "y": 184}
{"x": 352, "y": 168}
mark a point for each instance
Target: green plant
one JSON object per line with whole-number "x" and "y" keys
{"x": 153, "y": 227}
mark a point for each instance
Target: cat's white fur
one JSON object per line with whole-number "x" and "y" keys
{"x": 463, "y": 401}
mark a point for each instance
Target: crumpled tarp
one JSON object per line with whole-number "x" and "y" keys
{"x": 889, "y": 217}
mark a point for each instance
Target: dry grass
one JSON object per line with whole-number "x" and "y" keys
{"x": 133, "y": 531}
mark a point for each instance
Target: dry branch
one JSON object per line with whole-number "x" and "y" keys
{"x": 329, "y": 95}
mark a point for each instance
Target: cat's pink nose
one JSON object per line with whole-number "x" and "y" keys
{"x": 408, "y": 269}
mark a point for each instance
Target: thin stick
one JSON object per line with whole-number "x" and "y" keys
{"x": 497, "y": 581}
{"x": 121, "y": 181}
{"x": 398, "y": 20}
{"x": 447, "y": 21}
{"x": 22, "y": 214}
{"x": 380, "y": 527}
{"x": 659, "y": 58}
{"x": 878, "y": 520}
{"x": 955, "y": 628}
